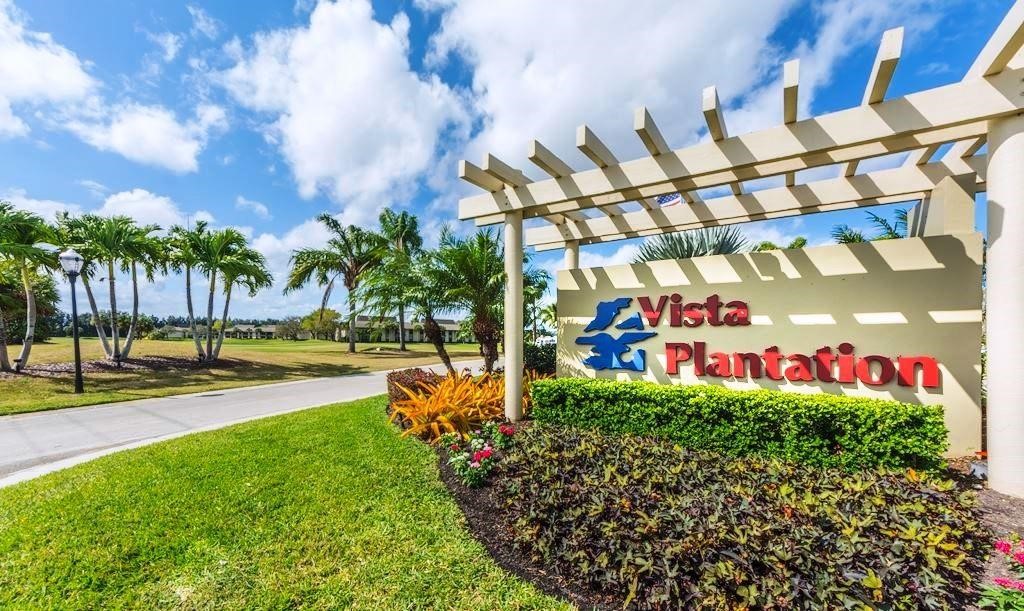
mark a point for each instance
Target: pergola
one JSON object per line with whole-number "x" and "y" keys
{"x": 986, "y": 108}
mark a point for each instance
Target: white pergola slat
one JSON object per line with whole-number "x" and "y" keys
{"x": 985, "y": 107}
{"x": 889, "y": 51}
{"x": 790, "y": 101}
{"x": 953, "y": 112}
{"x": 873, "y": 188}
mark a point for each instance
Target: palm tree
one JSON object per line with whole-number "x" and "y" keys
{"x": 120, "y": 244}
{"x": 535, "y": 285}
{"x": 23, "y": 237}
{"x": 887, "y": 230}
{"x": 247, "y": 268}
{"x": 411, "y": 279}
{"x": 549, "y": 315}
{"x": 844, "y": 234}
{"x": 471, "y": 271}
{"x": 402, "y": 232}
{"x": 215, "y": 251}
{"x": 72, "y": 233}
{"x": 348, "y": 255}
{"x": 184, "y": 244}
{"x": 702, "y": 242}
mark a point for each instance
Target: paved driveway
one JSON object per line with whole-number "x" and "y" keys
{"x": 38, "y": 443}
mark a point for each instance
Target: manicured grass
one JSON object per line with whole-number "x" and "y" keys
{"x": 326, "y": 508}
{"x": 247, "y": 363}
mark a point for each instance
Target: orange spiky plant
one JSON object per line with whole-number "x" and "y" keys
{"x": 455, "y": 404}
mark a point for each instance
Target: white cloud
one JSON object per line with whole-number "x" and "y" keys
{"x": 152, "y": 134}
{"x": 622, "y": 255}
{"x": 46, "y": 208}
{"x": 541, "y": 68}
{"x": 143, "y": 206}
{"x": 202, "y": 22}
{"x": 97, "y": 189}
{"x": 169, "y": 43}
{"x": 254, "y": 207}
{"x": 34, "y": 70}
{"x": 350, "y": 117}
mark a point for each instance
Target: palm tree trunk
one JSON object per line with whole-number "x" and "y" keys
{"x": 191, "y": 313}
{"x": 401, "y": 327}
{"x": 135, "y": 313}
{"x": 30, "y": 319}
{"x": 223, "y": 322}
{"x": 209, "y": 316}
{"x": 5, "y": 361}
{"x": 114, "y": 334}
{"x": 351, "y": 323}
{"x": 486, "y": 333}
{"x": 433, "y": 332}
{"x": 100, "y": 332}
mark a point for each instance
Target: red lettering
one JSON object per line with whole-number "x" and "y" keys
{"x": 800, "y": 369}
{"x": 864, "y": 373}
{"x": 651, "y": 314}
{"x": 739, "y": 316}
{"x": 719, "y": 367}
{"x": 772, "y": 358}
{"x": 675, "y": 354}
{"x": 846, "y": 375}
{"x": 746, "y": 364}
{"x": 694, "y": 317}
{"x": 698, "y": 358}
{"x": 823, "y": 359}
{"x": 929, "y": 371}
{"x": 713, "y": 305}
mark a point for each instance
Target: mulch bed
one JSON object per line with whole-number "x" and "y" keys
{"x": 141, "y": 364}
{"x": 486, "y": 519}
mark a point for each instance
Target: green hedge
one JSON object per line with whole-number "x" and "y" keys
{"x": 539, "y": 358}
{"x": 822, "y": 430}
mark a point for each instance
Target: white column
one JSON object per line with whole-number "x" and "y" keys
{"x": 572, "y": 255}
{"x": 514, "y": 316}
{"x": 1004, "y": 299}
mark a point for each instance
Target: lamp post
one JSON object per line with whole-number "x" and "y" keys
{"x": 72, "y": 262}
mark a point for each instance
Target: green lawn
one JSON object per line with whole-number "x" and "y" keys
{"x": 326, "y": 508}
{"x": 245, "y": 363}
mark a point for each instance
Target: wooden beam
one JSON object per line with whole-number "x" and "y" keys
{"x": 885, "y": 186}
{"x": 649, "y": 133}
{"x": 475, "y": 175}
{"x": 549, "y": 162}
{"x": 712, "y": 108}
{"x": 889, "y": 51}
{"x": 716, "y": 124}
{"x": 790, "y": 101}
{"x": 504, "y": 172}
{"x": 590, "y": 145}
{"x": 953, "y": 112}
{"x": 1002, "y": 46}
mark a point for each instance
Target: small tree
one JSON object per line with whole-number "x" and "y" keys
{"x": 289, "y": 328}
{"x": 322, "y": 324}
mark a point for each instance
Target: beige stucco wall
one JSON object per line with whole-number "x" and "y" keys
{"x": 915, "y": 296}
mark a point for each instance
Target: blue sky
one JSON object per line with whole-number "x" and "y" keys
{"x": 262, "y": 117}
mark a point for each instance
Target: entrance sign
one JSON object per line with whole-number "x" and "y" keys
{"x": 892, "y": 319}
{"x": 958, "y": 139}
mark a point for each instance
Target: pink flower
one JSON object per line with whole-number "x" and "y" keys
{"x": 1012, "y": 584}
{"x": 474, "y": 464}
{"x": 1003, "y": 546}
{"x": 1019, "y": 557}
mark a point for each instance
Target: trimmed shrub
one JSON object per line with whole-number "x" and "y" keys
{"x": 409, "y": 378}
{"x": 539, "y": 358}
{"x": 658, "y": 526}
{"x": 820, "y": 429}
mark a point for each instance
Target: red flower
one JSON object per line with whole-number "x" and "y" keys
{"x": 1019, "y": 557}
{"x": 454, "y": 446}
{"x": 1012, "y": 584}
{"x": 1003, "y": 546}
{"x": 480, "y": 455}
{"x": 507, "y": 429}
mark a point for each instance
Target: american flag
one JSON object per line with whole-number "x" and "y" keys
{"x": 669, "y": 200}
